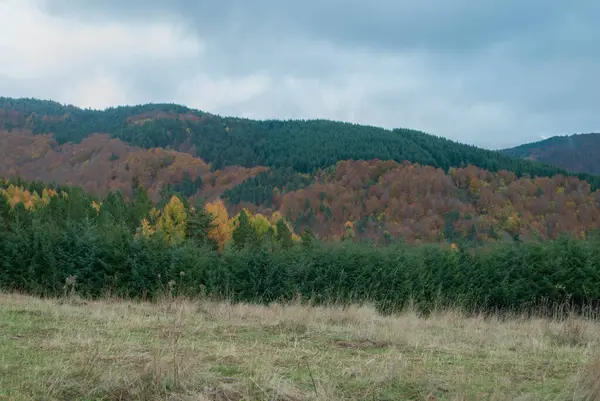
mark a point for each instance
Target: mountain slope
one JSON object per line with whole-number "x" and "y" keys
{"x": 574, "y": 153}
{"x": 100, "y": 164}
{"x": 384, "y": 200}
{"x": 305, "y": 146}
{"x": 337, "y": 179}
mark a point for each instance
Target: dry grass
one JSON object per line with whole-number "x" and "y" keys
{"x": 184, "y": 350}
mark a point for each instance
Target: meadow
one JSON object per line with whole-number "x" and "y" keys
{"x": 183, "y": 349}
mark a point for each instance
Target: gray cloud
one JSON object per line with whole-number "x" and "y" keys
{"x": 385, "y": 24}
{"x": 485, "y": 72}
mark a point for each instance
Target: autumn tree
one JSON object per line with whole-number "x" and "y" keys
{"x": 173, "y": 220}
{"x": 222, "y": 228}
{"x": 348, "y": 233}
{"x": 145, "y": 230}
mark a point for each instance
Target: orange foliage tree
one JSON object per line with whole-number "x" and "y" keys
{"x": 222, "y": 225}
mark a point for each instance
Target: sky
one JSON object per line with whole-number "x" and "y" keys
{"x": 493, "y": 73}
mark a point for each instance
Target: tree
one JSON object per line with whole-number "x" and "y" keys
{"x": 222, "y": 228}
{"x": 199, "y": 225}
{"x": 4, "y": 212}
{"x": 307, "y": 237}
{"x": 173, "y": 220}
{"x": 348, "y": 234}
{"x": 244, "y": 233}
{"x": 259, "y": 223}
{"x": 141, "y": 205}
{"x": 283, "y": 234}
{"x": 145, "y": 230}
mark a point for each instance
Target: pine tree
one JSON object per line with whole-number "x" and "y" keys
{"x": 141, "y": 205}
{"x": 244, "y": 234}
{"x": 307, "y": 237}
{"x": 284, "y": 234}
{"x": 199, "y": 225}
{"x": 4, "y": 213}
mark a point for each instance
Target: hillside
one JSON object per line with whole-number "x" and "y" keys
{"x": 575, "y": 153}
{"x": 337, "y": 179}
{"x": 99, "y": 164}
{"x": 374, "y": 199}
{"x": 304, "y": 146}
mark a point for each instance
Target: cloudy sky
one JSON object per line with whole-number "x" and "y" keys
{"x": 493, "y": 73}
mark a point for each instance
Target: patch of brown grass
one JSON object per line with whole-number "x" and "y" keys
{"x": 203, "y": 350}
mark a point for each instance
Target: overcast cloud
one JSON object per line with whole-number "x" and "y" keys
{"x": 494, "y": 73}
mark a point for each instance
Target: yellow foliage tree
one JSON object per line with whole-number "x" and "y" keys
{"x": 31, "y": 200}
{"x": 96, "y": 206}
{"x": 513, "y": 223}
{"x": 173, "y": 220}
{"x": 474, "y": 186}
{"x": 145, "y": 230}
{"x": 260, "y": 223}
{"x": 275, "y": 217}
{"x": 222, "y": 225}
{"x": 46, "y": 195}
{"x": 348, "y": 232}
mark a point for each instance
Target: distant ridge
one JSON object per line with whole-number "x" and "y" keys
{"x": 577, "y": 153}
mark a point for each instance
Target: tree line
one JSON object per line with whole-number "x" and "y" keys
{"x": 56, "y": 240}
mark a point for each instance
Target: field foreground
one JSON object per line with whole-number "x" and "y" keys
{"x": 184, "y": 350}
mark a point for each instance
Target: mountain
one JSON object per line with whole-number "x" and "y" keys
{"x": 304, "y": 146}
{"x": 337, "y": 179}
{"x": 574, "y": 153}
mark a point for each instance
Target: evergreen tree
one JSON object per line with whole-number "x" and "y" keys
{"x": 284, "y": 235}
{"x": 140, "y": 207}
{"x": 307, "y": 238}
{"x": 4, "y": 212}
{"x": 199, "y": 225}
{"x": 243, "y": 234}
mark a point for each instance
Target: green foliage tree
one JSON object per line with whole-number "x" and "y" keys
{"x": 283, "y": 234}
{"x": 307, "y": 238}
{"x": 244, "y": 234}
{"x": 199, "y": 224}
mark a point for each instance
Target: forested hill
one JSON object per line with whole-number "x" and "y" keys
{"x": 304, "y": 146}
{"x": 338, "y": 180}
{"x": 574, "y": 153}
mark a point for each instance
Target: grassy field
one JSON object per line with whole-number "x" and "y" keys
{"x": 184, "y": 350}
